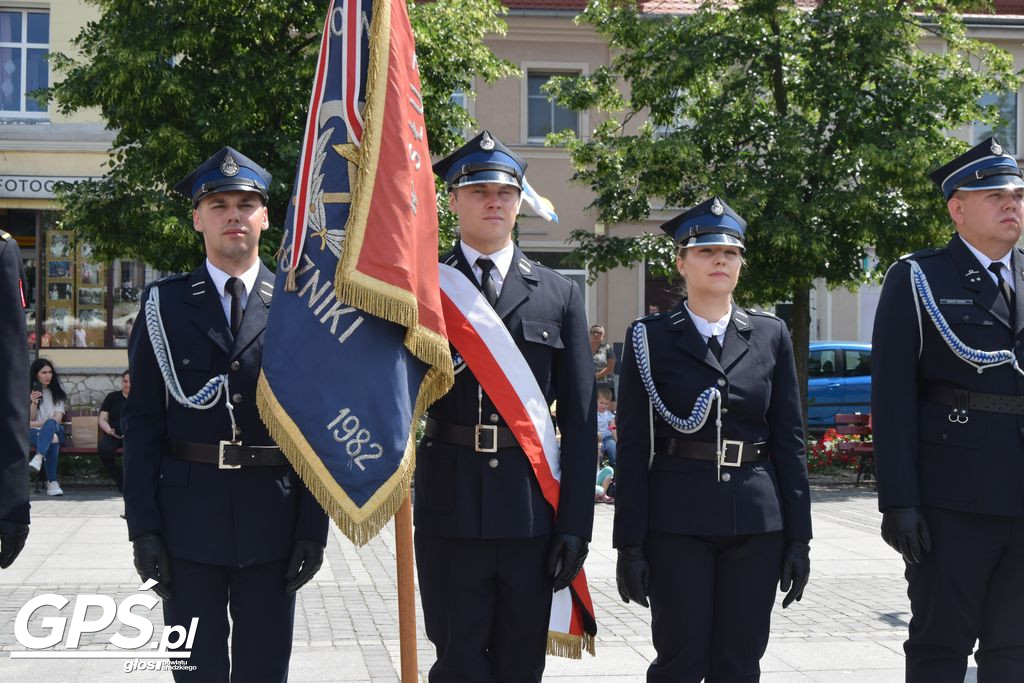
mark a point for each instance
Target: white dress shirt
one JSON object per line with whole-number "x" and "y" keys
{"x": 985, "y": 262}
{"x": 502, "y": 262}
{"x": 220, "y": 279}
{"x": 708, "y": 328}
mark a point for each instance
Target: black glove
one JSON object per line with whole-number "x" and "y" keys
{"x": 631, "y": 574}
{"x": 906, "y": 531}
{"x": 796, "y": 569}
{"x": 570, "y": 551}
{"x": 307, "y": 556}
{"x": 151, "y": 563}
{"x": 12, "y": 540}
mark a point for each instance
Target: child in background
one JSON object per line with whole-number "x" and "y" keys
{"x": 606, "y": 425}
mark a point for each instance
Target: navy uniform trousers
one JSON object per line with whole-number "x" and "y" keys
{"x": 967, "y": 476}
{"x": 714, "y": 548}
{"x": 229, "y": 533}
{"x": 483, "y": 528}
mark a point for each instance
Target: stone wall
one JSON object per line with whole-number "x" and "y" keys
{"x": 89, "y": 390}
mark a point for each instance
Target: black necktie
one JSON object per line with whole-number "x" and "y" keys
{"x": 1004, "y": 287}
{"x": 486, "y": 283}
{"x": 236, "y": 290}
{"x": 715, "y": 346}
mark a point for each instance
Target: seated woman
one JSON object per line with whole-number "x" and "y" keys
{"x": 110, "y": 424}
{"x": 46, "y": 420}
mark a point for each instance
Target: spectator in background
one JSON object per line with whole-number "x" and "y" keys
{"x": 604, "y": 359}
{"x": 653, "y": 308}
{"x": 606, "y": 425}
{"x": 110, "y": 424}
{"x": 46, "y": 420}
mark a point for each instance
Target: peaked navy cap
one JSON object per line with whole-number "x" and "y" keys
{"x": 712, "y": 222}
{"x": 481, "y": 160}
{"x": 226, "y": 171}
{"x": 986, "y": 166}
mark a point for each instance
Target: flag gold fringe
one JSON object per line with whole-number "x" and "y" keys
{"x": 339, "y": 507}
{"x": 570, "y": 646}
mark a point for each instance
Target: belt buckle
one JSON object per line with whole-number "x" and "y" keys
{"x": 479, "y": 430}
{"x": 220, "y": 455}
{"x": 730, "y": 449}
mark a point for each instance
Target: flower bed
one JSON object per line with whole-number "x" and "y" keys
{"x": 826, "y": 454}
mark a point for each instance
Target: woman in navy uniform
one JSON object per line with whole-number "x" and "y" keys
{"x": 705, "y": 532}
{"x": 216, "y": 514}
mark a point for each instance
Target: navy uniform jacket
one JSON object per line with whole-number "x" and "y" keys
{"x": 920, "y": 456}
{"x": 205, "y": 514}
{"x": 14, "y": 388}
{"x": 761, "y": 402}
{"x": 458, "y": 493}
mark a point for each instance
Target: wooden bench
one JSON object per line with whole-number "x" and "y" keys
{"x": 87, "y": 430}
{"x": 858, "y": 425}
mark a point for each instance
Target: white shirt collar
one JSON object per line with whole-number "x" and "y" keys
{"x": 708, "y": 328}
{"x": 220, "y": 278}
{"x": 502, "y": 261}
{"x": 985, "y": 262}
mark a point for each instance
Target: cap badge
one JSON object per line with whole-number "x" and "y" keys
{"x": 997, "y": 149}
{"x": 487, "y": 143}
{"x": 228, "y": 167}
{"x": 717, "y": 208}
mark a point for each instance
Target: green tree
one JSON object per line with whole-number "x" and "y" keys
{"x": 178, "y": 79}
{"x": 817, "y": 125}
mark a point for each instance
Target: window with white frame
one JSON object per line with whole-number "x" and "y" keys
{"x": 24, "y": 45}
{"x": 543, "y": 115}
{"x": 1005, "y": 128}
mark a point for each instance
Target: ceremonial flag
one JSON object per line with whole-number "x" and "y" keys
{"x": 355, "y": 347}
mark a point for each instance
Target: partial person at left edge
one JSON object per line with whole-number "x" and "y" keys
{"x": 216, "y": 514}
{"x": 14, "y": 506}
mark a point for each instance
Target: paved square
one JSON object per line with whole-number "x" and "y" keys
{"x": 849, "y": 626}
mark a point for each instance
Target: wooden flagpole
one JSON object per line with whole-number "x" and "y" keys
{"x": 406, "y": 591}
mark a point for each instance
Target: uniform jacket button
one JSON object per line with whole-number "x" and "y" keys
{"x": 721, "y": 382}
{"x": 544, "y": 334}
{"x": 726, "y": 477}
{"x": 235, "y": 365}
{"x": 184, "y": 361}
{"x": 493, "y": 463}
{"x": 237, "y": 398}
{"x": 494, "y": 418}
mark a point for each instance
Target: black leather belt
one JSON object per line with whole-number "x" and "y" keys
{"x": 228, "y": 456}
{"x": 961, "y": 400}
{"x": 736, "y": 452}
{"x": 481, "y": 438}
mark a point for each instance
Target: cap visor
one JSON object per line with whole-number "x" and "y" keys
{"x": 487, "y": 176}
{"x": 713, "y": 239}
{"x": 994, "y": 182}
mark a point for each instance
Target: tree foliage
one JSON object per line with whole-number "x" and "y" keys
{"x": 817, "y": 125}
{"x": 178, "y": 79}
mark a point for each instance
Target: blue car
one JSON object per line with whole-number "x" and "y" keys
{"x": 838, "y": 381}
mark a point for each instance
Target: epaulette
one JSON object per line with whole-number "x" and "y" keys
{"x": 924, "y": 253}
{"x": 4, "y": 235}
{"x": 763, "y": 314}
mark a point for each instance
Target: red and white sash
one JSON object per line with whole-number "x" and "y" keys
{"x": 484, "y": 342}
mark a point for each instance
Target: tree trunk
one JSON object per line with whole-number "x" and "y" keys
{"x": 801, "y": 341}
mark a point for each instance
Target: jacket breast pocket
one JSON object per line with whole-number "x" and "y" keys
{"x": 546, "y": 332}
{"x": 193, "y": 365}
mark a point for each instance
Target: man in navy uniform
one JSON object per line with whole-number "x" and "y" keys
{"x": 216, "y": 514}
{"x": 14, "y": 385}
{"x": 948, "y": 417}
{"x": 489, "y": 548}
